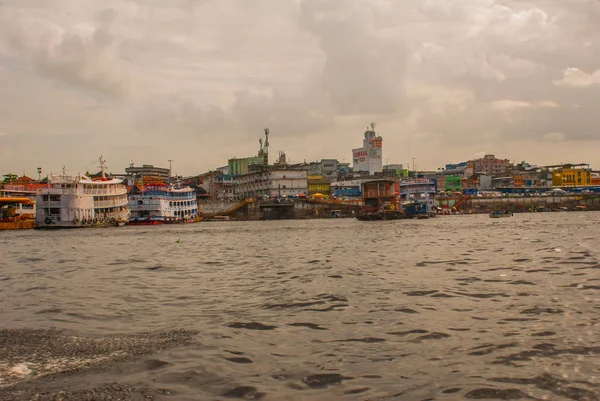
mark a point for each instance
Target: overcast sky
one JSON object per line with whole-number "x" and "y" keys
{"x": 197, "y": 81}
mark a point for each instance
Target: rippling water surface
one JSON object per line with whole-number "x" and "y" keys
{"x": 463, "y": 307}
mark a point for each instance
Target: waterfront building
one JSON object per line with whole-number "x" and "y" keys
{"x": 347, "y": 188}
{"x": 452, "y": 183}
{"x": 271, "y": 182}
{"x": 317, "y": 184}
{"x": 395, "y": 170}
{"x": 486, "y": 182}
{"x": 225, "y": 187}
{"x": 208, "y": 183}
{"x": 571, "y": 175}
{"x": 463, "y": 169}
{"x": 369, "y": 157}
{"x": 529, "y": 178}
{"x": 326, "y": 168}
{"x": 148, "y": 171}
{"x": 491, "y": 165}
{"x": 245, "y": 165}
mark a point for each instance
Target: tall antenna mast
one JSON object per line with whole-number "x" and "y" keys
{"x": 266, "y": 148}
{"x": 266, "y": 138}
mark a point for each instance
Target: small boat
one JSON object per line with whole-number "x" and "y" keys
{"x": 335, "y": 214}
{"x": 415, "y": 210}
{"x": 500, "y": 214}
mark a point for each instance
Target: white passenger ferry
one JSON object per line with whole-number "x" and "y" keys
{"x": 159, "y": 203}
{"x": 80, "y": 201}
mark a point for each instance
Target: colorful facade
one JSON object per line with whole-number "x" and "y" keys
{"x": 453, "y": 183}
{"x": 317, "y": 184}
{"x": 569, "y": 176}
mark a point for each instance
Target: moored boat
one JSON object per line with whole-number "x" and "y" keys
{"x": 80, "y": 201}
{"x": 159, "y": 203}
{"x": 380, "y": 201}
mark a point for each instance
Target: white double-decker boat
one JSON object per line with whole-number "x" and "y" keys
{"x": 80, "y": 201}
{"x": 158, "y": 203}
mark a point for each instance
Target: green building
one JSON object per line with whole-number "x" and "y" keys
{"x": 245, "y": 165}
{"x": 453, "y": 183}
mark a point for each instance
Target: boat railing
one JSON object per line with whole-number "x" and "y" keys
{"x": 48, "y": 204}
{"x": 105, "y": 191}
{"x": 189, "y": 207}
{"x": 58, "y": 191}
{"x": 110, "y": 203}
{"x": 144, "y": 207}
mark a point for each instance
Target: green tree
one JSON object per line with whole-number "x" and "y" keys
{"x": 9, "y": 178}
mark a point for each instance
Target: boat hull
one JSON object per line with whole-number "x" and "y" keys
{"x": 500, "y": 215}
{"x": 77, "y": 225}
{"x": 145, "y": 223}
{"x": 379, "y": 216}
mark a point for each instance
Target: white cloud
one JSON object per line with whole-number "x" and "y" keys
{"x": 576, "y": 78}
{"x": 516, "y": 104}
{"x": 554, "y": 137}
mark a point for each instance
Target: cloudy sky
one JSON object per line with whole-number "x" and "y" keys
{"x": 197, "y": 81}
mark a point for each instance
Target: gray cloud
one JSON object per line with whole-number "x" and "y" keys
{"x": 82, "y": 55}
{"x": 197, "y": 81}
{"x": 363, "y": 73}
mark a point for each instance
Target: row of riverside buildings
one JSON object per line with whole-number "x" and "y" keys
{"x": 255, "y": 177}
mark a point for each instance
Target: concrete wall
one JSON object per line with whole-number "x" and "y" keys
{"x": 533, "y": 202}
{"x": 213, "y": 206}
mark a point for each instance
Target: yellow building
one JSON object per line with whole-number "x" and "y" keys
{"x": 571, "y": 176}
{"x": 318, "y": 184}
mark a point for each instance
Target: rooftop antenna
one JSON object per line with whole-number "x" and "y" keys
{"x": 266, "y": 138}
{"x": 64, "y": 170}
{"x": 170, "y": 168}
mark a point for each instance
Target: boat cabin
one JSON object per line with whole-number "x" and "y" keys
{"x": 379, "y": 195}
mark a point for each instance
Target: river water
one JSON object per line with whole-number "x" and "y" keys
{"x": 457, "y": 307}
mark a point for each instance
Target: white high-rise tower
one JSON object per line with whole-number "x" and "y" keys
{"x": 369, "y": 157}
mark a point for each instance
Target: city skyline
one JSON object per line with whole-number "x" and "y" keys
{"x": 197, "y": 81}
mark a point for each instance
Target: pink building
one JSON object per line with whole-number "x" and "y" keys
{"x": 490, "y": 165}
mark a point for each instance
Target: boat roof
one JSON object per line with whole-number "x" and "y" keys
{"x": 379, "y": 180}
{"x": 99, "y": 181}
{"x": 9, "y": 200}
